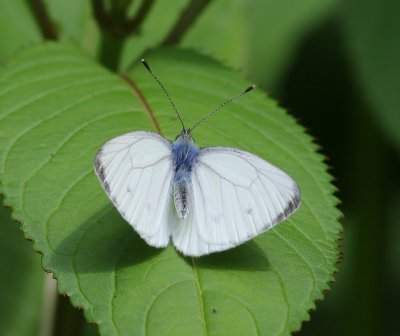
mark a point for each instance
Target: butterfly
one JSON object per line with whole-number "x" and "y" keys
{"x": 203, "y": 199}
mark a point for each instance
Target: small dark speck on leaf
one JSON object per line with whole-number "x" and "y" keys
{"x": 214, "y": 311}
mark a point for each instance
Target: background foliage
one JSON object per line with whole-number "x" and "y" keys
{"x": 333, "y": 64}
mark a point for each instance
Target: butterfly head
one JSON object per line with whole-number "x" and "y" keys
{"x": 185, "y": 136}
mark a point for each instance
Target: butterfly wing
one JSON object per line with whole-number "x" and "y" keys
{"x": 135, "y": 170}
{"x": 237, "y": 195}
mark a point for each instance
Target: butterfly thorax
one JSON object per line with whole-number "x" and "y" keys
{"x": 184, "y": 157}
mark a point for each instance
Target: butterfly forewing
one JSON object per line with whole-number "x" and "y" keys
{"x": 135, "y": 171}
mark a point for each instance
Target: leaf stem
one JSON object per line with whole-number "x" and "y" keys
{"x": 133, "y": 25}
{"x": 186, "y": 20}
{"x": 46, "y": 25}
{"x": 111, "y": 48}
{"x": 116, "y": 28}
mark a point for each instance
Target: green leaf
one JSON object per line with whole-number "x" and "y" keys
{"x": 17, "y": 27}
{"x": 57, "y": 107}
{"x": 372, "y": 31}
{"x": 21, "y": 280}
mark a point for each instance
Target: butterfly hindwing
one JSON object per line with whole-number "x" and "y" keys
{"x": 135, "y": 170}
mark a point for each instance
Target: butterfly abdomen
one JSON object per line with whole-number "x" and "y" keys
{"x": 182, "y": 193}
{"x": 184, "y": 155}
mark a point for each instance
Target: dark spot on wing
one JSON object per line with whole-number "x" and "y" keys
{"x": 97, "y": 165}
{"x": 280, "y": 218}
{"x": 100, "y": 172}
{"x": 292, "y": 206}
{"x": 107, "y": 187}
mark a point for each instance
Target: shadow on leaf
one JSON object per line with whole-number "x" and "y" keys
{"x": 106, "y": 242}
{"x": 100, "y": 243}
{"x": 246, "y": 257}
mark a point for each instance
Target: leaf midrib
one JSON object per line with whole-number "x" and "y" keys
{"x": 199, "y": 291}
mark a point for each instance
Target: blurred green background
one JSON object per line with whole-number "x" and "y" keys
{"x": 334, "y": 65}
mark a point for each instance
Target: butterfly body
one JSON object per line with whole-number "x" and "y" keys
{"x": 204, "y": 200}
{"x": 184, "y": 157}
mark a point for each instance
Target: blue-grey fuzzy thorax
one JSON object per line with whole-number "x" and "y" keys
{"x": 184, "y": 158}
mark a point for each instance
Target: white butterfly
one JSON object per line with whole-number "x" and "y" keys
{"x": 206, "y": 200}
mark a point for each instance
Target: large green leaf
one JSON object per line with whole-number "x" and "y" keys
{"x": 57, "y": 107}
{"x": 21, "y": 280}
{"x": 372, "y": 31}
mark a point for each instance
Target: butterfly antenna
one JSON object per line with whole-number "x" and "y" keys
{"x": 221, "y": 106}
{"x": 146, "y": 65}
